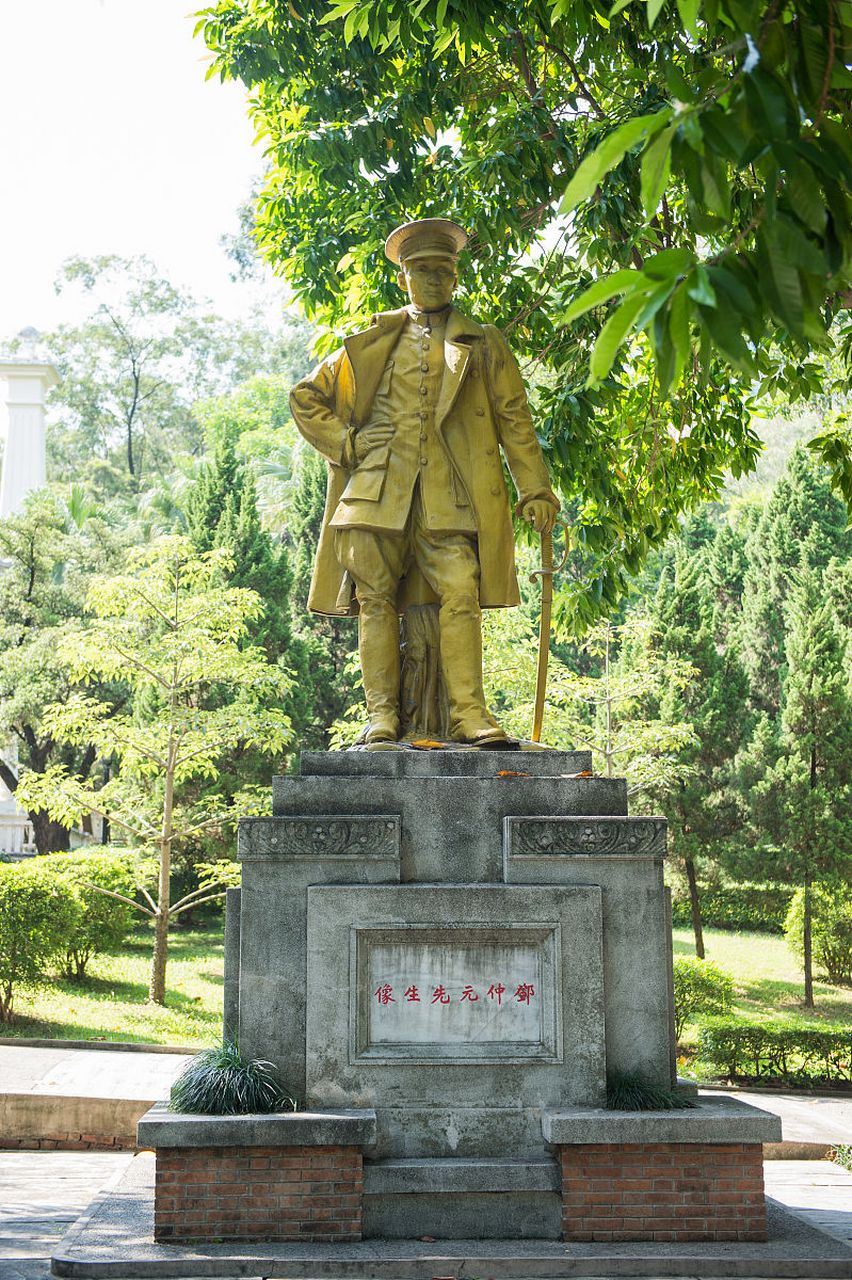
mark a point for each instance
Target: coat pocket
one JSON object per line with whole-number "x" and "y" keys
{"x": 367, "y": 483}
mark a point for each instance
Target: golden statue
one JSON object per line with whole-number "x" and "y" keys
{"x": 411, "y": 416}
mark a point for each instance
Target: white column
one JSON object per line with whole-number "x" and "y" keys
{"x": 24, "y": 457}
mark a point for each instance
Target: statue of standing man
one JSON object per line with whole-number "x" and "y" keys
{"x": 411, "y": 416}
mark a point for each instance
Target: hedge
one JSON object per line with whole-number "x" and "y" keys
{"x": 777, "y": 1051}
{"x": 758, "y": 907}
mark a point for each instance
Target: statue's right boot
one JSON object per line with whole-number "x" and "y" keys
{"x": 378, "y": 648}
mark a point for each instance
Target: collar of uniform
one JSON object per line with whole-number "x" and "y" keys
{"x": 459, "y": 326}
{"x": 429, "y": 319}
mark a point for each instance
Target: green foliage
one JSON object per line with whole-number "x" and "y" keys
{"x": 172, "y": 631}
{"x": 730, "y": 905}
{"x": 105, "y": 921}
{"x": 831, "y": 929}
{"x": 133, "y": 370}
{"x": 631, "y": 1091}
{"x": 778, "y": 1051}
{"x": 700, "y": 987}
{"x": 842, "y": 1155}
{"x": 48, "y": 559}
{"x": 218, "y": 1082}
{"x": 39, "y": 915}
{"x": 701, "y": 251}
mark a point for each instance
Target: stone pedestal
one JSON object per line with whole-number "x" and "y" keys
{"x": 465, "y": 943}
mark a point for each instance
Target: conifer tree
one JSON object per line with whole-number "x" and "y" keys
{"x": 701, "y": 807}
{"x": 802, "y": 510}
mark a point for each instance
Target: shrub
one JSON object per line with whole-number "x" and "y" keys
{"x": 105, "y": 922}
{"x": 218, "y": 1083}
{"x": 700, "y": 987}
{"x": 777, "y": 1051}
{"x": 831, "y": 929}
{"x": 842, "y": 1155}
{"x": 38, "y": 917}
{"x": 757, "y": 907}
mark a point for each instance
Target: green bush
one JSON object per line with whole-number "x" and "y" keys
{"x": 831, "y": 929}
{"x": 782, "y": 1051}
{"x": 105, "y": 921}
{"x": 38, "y": 917}
{"x": 760, "y": 908}
{"x": 700, "y": 987}
{"x": 218, "y": 1082}
{"x": 842, "y": 1155}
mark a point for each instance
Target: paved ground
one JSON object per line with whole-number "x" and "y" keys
{"x": 88, "y": 1073}
{"x": 43, "y": 1192}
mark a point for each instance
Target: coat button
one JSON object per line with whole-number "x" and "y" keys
{"x": 480, "y": 413}
{"x": 424, "y": 391}
{"x": 495, "y": 491}
{"x": 424, "y": 368}
{"x": 424, "y": 462}
{"x": 490, "y": 452}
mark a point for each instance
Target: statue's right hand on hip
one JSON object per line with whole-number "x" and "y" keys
{"x": 372, "y": 437}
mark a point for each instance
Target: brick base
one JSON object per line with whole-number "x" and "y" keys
{"x": 668, "y": 1191}
{"x": 258, "y": 1193}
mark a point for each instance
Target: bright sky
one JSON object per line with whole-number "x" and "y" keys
{"x": 111, "y": 141}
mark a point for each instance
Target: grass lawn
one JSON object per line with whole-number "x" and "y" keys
{"x": 768, "y": 979}
{"x": 112, "y": 1003}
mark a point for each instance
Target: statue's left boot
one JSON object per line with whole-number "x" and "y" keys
{"x": 461, "y": 659}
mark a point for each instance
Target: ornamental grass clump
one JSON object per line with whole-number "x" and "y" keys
{"x": 218, "y": 1082}
{"x": 631, "y": 1091}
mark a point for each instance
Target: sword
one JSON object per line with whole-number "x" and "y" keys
{"x": 546, "y": 573}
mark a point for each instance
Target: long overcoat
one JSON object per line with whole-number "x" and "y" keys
{"x": 482, "y": 408}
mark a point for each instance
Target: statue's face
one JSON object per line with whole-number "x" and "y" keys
{"x": 429, "y": 281}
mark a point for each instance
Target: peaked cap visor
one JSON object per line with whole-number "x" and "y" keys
{"x": 428, "y": 235}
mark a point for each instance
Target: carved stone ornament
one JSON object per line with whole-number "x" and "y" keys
{"x": 332, "y": 837}
{"x": 599, "y": 836}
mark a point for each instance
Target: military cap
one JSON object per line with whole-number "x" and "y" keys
{"x": 427, "y": 235}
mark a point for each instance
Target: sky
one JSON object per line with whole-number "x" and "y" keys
{"x": 111, "y": 141}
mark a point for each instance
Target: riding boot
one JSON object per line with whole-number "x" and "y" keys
{"x": 378, "y": 647}
{"x": 460, "y": 622}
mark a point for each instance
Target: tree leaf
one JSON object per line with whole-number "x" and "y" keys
{"x": 700, "y": 289}
{"x": 667, "y": 263}
{"x": 653, "y": 8}
{"x": 805, "y": 197}
{"x": 688, "y": 11}
{"x": 679, "y": 331}
{"x": 611, "y": 337}
{"x": 608, "y": 154}
{"x": 656, "y": 166}
{"x": 601, "y": 291}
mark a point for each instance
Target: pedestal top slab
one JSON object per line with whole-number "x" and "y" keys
{"x": 463, "y": 762}
{"x": 722, "y": 1120}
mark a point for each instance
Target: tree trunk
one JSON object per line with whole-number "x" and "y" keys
{"x": 695, "y": 907}
{"x": 50, "y": 836}
{"x": 807, "y": 946}
{"x": 157, "y": 990}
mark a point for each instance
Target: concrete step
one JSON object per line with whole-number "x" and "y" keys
{"x": 461, "y": 1198}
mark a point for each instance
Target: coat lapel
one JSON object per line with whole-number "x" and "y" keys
{"x": 368, "y": 354}
{"x": 457, "y": 348}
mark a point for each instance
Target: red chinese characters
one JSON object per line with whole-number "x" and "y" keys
{"x": 524, "y": 993}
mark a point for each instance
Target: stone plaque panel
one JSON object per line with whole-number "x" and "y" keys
{"x": 476, "y": 994}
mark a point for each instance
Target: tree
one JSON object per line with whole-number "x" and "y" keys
{"x": 802, "y": 517}
{"x": 170, "y": 630}
{"x": 799, "y": 777}
{"x": 132, "y": 372}
{"x": 47, "y": 560}
{"x": 658, "y": 201}
{"x": 701, "y": 805}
